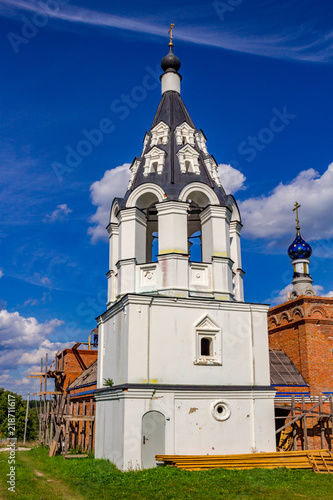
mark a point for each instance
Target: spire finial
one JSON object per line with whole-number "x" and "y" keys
{"x": 297, "y": 206}
{"x": 170, "y": 33}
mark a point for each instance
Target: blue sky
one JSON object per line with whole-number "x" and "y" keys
{"x": 257, "y": 78}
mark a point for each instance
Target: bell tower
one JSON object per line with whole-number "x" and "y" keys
{"x": 175, "y": 232}
{"x": 188, "y": 358}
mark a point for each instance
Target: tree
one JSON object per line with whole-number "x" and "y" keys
{"x": 20, "y": 410}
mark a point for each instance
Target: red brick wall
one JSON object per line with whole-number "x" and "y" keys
{"x": 303, "y": 328}
{"x": 75, "y": 362}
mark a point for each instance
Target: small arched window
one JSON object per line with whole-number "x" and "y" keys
{"x": 205, "y": 346}
{"x": 208, "y": 343}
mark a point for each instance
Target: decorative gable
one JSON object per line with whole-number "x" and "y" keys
{"x": 134, "y": 168}
{"x": 184, "y": 134}
{"x": 154, "y": 161}
{"x": 188, "y": 160}
{"x": 145, "y": 142}
{"x": 207, "y": 325}
{"x": 201, "y": 141}
{"x": 160, "y": 134}
{"x": 212, "y": 169}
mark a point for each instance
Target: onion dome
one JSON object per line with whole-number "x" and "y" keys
{"x": 170, "y": 62}
{"x": 299, "y": 249}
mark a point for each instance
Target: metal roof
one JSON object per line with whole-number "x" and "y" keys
{"x": 89, "y": 376}
{"x": 173, "y": 113}
{"x": 283, "y": 370}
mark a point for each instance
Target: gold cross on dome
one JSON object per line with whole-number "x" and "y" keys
{"x": 170, "y": 33}
{"x": 297, "y": 206}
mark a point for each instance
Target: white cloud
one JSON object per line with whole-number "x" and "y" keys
{"x": 320, "y": 291}
{"x": 46, "y": 347}
{"x": 59, "y": 214}
{"x": 23, "y": 342}
{"x": 22, "y": 381}
{"x": 231, "y": 179}
{"x": 113, "y": 184}
{"x": 21, "y": 331}
{"x": 35, "y": 302}
{"x": 42, "y": 280}
{"x": 278, "y": 297}
{"x": 271, "y": 216}
{"x": 4, "y": 379}
{"x": 295, "y": 42}
{"x": 1, "y": 273}
{"x": 31, "y": 302}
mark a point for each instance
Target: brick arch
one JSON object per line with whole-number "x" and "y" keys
{"x": 272, "y": 322}
{"x": 285, "y": 318}
{"x": 317, "y": 312}
{"x": 297, "y": 313}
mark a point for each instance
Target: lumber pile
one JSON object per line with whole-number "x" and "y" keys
{"x": 318, "y": 460}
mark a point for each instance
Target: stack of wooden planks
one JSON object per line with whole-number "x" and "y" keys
{"x": 318, "y": 460}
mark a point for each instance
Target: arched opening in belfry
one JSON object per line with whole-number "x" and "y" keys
{"x": 147, "y": 203}
{"x": 194, "y": 233}
{"x": 198, "y": 200}
{"x": 152, "y": 234}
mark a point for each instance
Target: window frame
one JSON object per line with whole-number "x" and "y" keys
{"x": 207, "y": 329}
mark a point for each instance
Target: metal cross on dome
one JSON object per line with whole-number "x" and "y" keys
{"x": 170, "y": 33}
{"x": 297, "y": 206}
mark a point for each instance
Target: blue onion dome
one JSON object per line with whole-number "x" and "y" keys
{"x": 170, "y": 62}
{"x": 299, "y": 249}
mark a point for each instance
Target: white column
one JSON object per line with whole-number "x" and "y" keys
{"x": 101, "y": 353}
{"x": 132, "y": 247}
{"x": 215, "y": 232}
{"x": 215, "y": 225}
{"x": 173, "y": 247}
{"x": 113, "y": 230}
{"x": 235, "y": 253}
{"x": 172, "y": 227}
{"x": 132, "y": 234}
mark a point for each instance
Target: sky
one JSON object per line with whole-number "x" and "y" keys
{"x": 79, "y": 88}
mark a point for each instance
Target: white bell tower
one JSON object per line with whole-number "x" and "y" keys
{"x": 188, "y": 358}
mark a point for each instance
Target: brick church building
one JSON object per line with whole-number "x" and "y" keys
{"x": 302, "y": 330}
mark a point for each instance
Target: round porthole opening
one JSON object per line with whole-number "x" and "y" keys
{"x": 221, "y": 410}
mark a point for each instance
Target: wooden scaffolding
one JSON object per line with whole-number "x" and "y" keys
{"x": 63, "y": 424}
{"x": 297, "y": 432}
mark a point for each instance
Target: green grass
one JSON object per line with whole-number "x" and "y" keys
{"x": 41, "y": 477}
